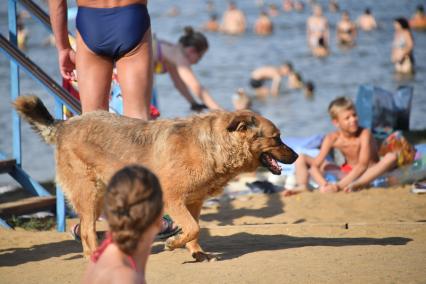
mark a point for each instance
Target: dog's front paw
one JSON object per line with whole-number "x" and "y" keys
{"x": 170, "y": 244}
{"x": 200, "y": 256}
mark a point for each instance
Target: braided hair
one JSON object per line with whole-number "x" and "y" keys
{"x": 133, "y": 202}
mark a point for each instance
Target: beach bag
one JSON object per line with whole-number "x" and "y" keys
{"x": 379, "y": 109}
{"x": 398, "y": 144}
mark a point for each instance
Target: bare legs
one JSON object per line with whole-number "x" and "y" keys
{"x": 385, "y": 164}
{"x": 303, "y": 163}
{"x": 94, "y": 74}
{"x": 134, "y": 72}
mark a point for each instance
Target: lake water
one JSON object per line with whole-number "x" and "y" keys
{"x": 228, "y": 64}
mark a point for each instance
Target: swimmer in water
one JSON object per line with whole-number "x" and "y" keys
{"x": 402, "y": 47}
{"x": 418, "y": 21}
{"x": 317, "y": 32}
{"x": 263, "y": 25}
{"x": 346, "y": 30}
{"x": 269, "y": 73}
{"x": 366, "y": 21}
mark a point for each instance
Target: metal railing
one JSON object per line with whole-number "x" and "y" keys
{"x": 62, "y": 97}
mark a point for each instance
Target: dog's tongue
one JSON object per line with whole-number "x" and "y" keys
{"x": 274, "y": 165}
{"x": 271, "y": 164}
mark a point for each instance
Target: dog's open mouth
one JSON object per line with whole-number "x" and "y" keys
{"x": 269, "y": 162}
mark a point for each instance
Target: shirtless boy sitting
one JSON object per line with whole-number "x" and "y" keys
{"x": 362, "y": 164}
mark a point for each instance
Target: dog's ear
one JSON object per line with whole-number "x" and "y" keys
{"x": 242, "y": 122}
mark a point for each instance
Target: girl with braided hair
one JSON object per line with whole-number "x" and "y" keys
{"x": 133, "y": 209}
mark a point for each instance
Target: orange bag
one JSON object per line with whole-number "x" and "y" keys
{"x": 397, "y": 143}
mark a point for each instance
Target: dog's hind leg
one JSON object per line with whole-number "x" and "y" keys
{"x": 90, "y": 207}
{"x": 83, "y": 172}
{"x": 88, "y": 233}
{"x": 87, "y": 203}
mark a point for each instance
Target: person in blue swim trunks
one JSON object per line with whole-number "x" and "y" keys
{"x": 108, "y": 33}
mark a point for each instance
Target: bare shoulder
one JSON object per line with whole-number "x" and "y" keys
{"x": 174, "y": 55}
{"x": 332, "y": 137}
{"x": 265, "y": 71}
{"x": 365, "y": 133}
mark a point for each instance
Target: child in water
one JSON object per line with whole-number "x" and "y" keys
{"x": 366, "y": 21}
{"x": 269, "y": 73}
{"x": 346, "y": 30}
{"x": 308, "y": 89}
{"x": 418, "y": 20}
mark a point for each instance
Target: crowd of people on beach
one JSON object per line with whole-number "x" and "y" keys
{"x": 107, "y": 50}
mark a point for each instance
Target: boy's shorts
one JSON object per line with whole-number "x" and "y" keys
{"x": 345, "y": 168}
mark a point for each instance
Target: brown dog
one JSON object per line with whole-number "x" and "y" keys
{"x": 194, "y": 158}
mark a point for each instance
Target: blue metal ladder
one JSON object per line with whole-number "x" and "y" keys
{"x": 18, "y": 60}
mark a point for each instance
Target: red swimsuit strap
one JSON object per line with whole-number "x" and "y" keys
{"x": 132, "y": 262}
{"x": 100, "y": 250}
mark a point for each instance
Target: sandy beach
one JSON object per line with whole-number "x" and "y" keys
{"x": 374, "y": 236}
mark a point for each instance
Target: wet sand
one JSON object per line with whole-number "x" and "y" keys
{"x": 374, "y": 236}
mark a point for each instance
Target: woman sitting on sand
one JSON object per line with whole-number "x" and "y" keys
{"x": 402, "y": 47}
{"x": 176, "y": 59}
{"x": 133, "y": 208}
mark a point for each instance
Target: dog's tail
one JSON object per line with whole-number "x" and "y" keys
{"x": 32, "y": 109}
